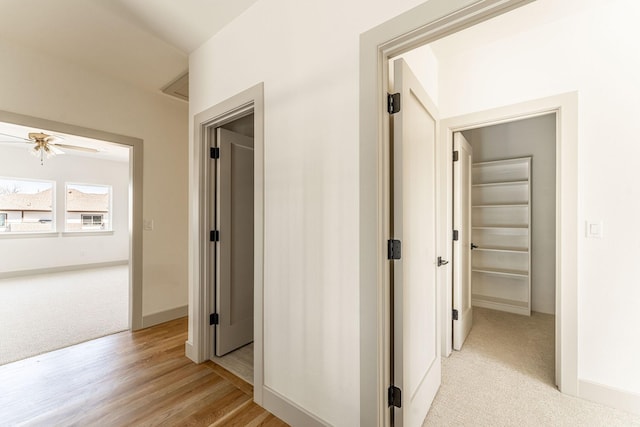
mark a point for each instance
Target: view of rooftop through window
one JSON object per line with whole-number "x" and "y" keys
{"x": 26, "y": 205}
{"x": 88, "y": 207}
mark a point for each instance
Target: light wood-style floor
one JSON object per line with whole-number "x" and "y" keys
{"x": 127, "y": 379}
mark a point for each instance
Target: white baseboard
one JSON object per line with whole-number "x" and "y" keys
{"x": 190, "y": 352}
{"x": 164, "y": 316}
{"x": 288, "y": 411}
{"x": 616, "y": 398}
{"x": 50, "y": 270}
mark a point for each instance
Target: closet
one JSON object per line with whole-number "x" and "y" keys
{"x": 513, "y": 215}
{"x": 501, "y": 230}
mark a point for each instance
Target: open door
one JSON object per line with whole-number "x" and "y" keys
{"x": 234, "y": 250}
{"x": 462, "y": 309}
{"x": 416, "y": 332}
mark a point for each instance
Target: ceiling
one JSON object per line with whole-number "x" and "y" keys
{"x": 147, "y": 42}
{"x": 13, "y": 136}
{"x": 144, "y": 42}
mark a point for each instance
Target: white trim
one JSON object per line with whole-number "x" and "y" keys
{"x": 135, "y": 146}
{"x": 609, "y": 396}
{"x": 423, "y": 24}
{"x": 288, "y": 411}
{"x": 565, "y": 107}
{"x": 189, "y": 350}
{"x": 200, "y": 349}
{"x": 87, "y": 233}
{"x": 164, "y": 316}
{"x": 50, "y": 270}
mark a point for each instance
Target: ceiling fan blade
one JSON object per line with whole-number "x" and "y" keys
{"x": 16, "y": 137}
{"x": 76, "y": 147}
{"x": 55, "y": 150}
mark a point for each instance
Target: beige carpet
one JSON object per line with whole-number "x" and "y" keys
{"x": 504, "y": 376}
{"x": 46, "y": 312}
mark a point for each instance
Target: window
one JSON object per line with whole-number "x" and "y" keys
{"x": 27, "y": 206}
{"x": 88, "y": 207}
{"x": 92, "y": 221}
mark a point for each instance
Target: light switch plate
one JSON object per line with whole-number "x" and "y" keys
{"x": 147, "y": 224}
{"x": 594, "y": 229}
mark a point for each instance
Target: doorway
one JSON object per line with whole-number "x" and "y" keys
{"x": 378, "y": 46}
{"x": 92, "y": 198}
{"x": 504, "y": 256}
{"x": 202, "y": 320}
{"x": 232, "y": 174}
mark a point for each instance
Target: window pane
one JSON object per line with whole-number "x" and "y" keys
{"x": 26, "y": 206}
{"x": 88, "y": 207}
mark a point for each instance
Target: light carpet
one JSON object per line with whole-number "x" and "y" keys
{"x": 46, "y": 312}
{"x": 504, "y": 376}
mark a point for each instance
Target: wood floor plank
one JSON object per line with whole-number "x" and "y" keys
{"x": 237, "y": 381}
{"x": 126, "y": 379}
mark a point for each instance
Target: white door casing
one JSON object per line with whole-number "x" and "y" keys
{"x": 234, "y": 254}
{"x": 417, "y": 367}
{"x": 462, "y": 246}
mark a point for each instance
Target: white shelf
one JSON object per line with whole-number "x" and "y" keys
{"x": 505, "y": 249}
{"x": 500, "y": 227}
{"x": 501, "y": 272}
{"x": 503, "y": 304}
{"x": 501, "y": 183}
{"x": 501, "y": 218}
{"x": 502, "y": 205}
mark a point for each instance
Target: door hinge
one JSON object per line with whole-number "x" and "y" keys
{"x": 214, "y": 319}
{"x": 393, "y": 103}
{"x": 456, "y": 156}
{"x": 214, "y": 236}
{"x": 455, "y": 314}
{"x": 455, "y": 234}
{"x": 395, "y": 397}
{"x": 394, "y": 249}
{"x": 214, "y": 152}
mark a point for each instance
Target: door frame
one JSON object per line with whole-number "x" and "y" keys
{"x": 135, "y": 146}
{"x": 199, "y": 348}
{"x": 421, "y": 25}
{"x": 565, "y": 108}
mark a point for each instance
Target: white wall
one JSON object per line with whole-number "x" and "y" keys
{"x": 424, "y": 64}
{"x": 67, "y": 93}
{"x": 28, "y": 253}
{"x": 306, "y": 53}
{"x": 594, "y": 53}
{"x": 535, "y": 137}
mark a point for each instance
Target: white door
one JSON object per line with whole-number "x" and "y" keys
{"x": 416, "y": 342}
{"x": 462, "y": 246}
{"x": 234, "y": 253}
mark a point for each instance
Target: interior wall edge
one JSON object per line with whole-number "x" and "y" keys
{"x": 609, "y": 396}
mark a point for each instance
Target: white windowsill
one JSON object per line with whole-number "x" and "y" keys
{"x": 27, "y": 235}
{"x": 87, "y": 233}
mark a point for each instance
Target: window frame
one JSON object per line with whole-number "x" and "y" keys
{"x": 105, "y": 227}
{"x": 52, "y": 220}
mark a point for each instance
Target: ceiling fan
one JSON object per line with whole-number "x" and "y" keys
{"x": 44, "y": 144}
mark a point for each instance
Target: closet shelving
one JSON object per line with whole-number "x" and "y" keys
{"x": 501, "y": 234}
